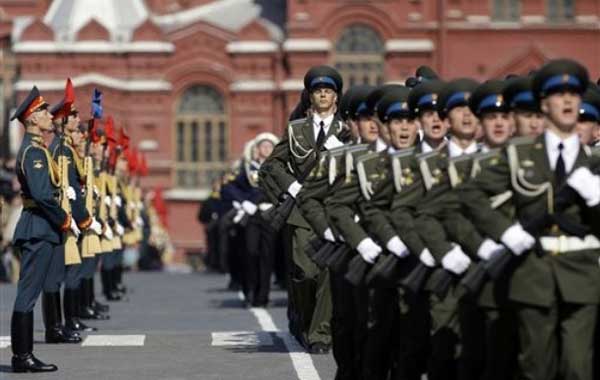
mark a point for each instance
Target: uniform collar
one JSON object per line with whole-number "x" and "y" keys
{"x": 570, "y": 151}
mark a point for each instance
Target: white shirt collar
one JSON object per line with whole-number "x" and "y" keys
{"x": 571, "y": 146}
{"x": 380, "y": 145}
{"x": 425, "y": 147}
{"x": 317, "y": 124}
{"x": 454, "y": 150}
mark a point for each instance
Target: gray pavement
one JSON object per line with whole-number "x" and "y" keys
{"x": 177, "y": 314}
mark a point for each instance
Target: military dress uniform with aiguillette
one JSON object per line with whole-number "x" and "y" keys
{"x": 309, "y": 302}
{"x": 555, "y": 285}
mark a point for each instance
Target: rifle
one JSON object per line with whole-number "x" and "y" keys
{"x": 90, "y": 244}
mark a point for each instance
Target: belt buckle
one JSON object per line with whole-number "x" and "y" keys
{"x": 562, "y": 245}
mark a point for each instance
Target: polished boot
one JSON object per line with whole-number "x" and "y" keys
{"x": 99, "y": 307}
{"x": 55, "y": 331}
{"x": 85, "y": 304}
{"x": 21, "y": 334}
{"x": 72, "y": 320}
{"x": 118, "y": 280}
{"x": 107, "y": 286}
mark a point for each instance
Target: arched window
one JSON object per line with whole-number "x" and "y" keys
{"x": 359, "y": 56}
{"x": 202, "y": 137}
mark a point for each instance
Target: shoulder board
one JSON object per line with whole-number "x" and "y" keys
{"x": 401, "y": 170}
{"x": 430, "y": 171}
{"x": 366, "y": 168}
{"x": 455, "y": 164}
{"x": 351, "y": 153}
{"x": 298, "y": 122}
{"x": 334, "y": 157}
{"x": 521, "y": 140}
{"x": 491, "y": 157}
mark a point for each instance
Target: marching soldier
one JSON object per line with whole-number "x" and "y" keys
{"x": 588, "y": 124}
{"x": 292, "y": 163}
{"x": 38, "y": 234}
{"x": 554, "y": 287}
{"x": 524, "y": 109}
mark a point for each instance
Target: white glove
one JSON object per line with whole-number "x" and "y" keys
{"x": 71, "y": 195}
{"x": 107, "y": 200}
{"x": 96, "y": 227}
{"x": 456, "y": 261}
{"x": 139, "y": 221}
{"x": 427, "y": 258}
{"x": 96, "y": 192}
{"x": 74, "y": 228}
{"x": 140, "y": 205}
{"x": 294, "y": 189}
{"x": 236, "y": 205}
{"x": 369, "y": 250}
{"x": 586, "y": 184}
{"x": 119, "y": 228}
{"x": 118, "y": 201}
{"x": 249, "y": 207}
{"x": 397, "y": 247}
{"x": 488, "y": 248}
{"x": 517, "y": 239}
{"x": 238, "y": 216}
{"x": 108, "y": 233}
{"x": 328, "y": 235}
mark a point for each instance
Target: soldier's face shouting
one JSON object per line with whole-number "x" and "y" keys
{"x": 562, "y": 110}
{"x": 433, "y": 127}
{"x": 463, "y": 123}
{"x": 323, "y": 99}
{"x": 367, "y": 129}
{"x": 403, "y": 132}
{"x": 498, "y": 127}
{"x": 528, "y": 123}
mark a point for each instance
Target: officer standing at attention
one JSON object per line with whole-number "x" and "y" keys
{"x": 39, "y": 231}
{"x": 554, "y": 287}
{"x": 301, "y": 146}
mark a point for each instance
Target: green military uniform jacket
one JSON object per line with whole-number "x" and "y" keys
{"x": 524, "y": 169}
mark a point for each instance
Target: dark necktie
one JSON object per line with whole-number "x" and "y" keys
{"x": 321, "y": 135}
{"x": 560, "y": 172}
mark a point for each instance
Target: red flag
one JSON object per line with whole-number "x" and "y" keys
{"x": 123, "y": 139}
{"x": 143, "y": 165}
{"x": 66, "y": 105}
{"x": 109, "y": 130}
{"x": 132, "y": 161}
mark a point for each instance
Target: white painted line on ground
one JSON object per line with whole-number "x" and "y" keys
{"x": 242, "y": 338}
{"x": 302, "y": 362}
{"x": 114, "y": 340}
{"x": 4, "y": 342}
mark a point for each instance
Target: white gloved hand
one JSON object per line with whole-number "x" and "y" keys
{"x": 456, "y": 261}
{"x": 249, "y": 207}
{"x": 488, "y": 248}
{"x": 74, "y": 228}
{"x": 369, "y": 250}
{"x": 238, "y": 216}
{"x": 118, "y": 201}
{"x": 427, "y": 258}
{"x": 517, "y": 239}
{"x": 96, "y": 227}
{"x": 71, "y": 195}
{"x": 108, "y": 232}
{"x": 586, "y": 184}
{"x": 328, "y": 235}
{"x": 119, "y": 228}
{"x": 397, "y": 247}
{"x": 140, "y": 205}
{"x": 294, "y": 189}
{"x": 139, "y": 221}
{"x": 107, "y": 200}
{"x": 236, "y": 205}
{"x": 96, "y": 192}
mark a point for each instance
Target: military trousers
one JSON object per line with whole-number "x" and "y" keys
{"x": 556, "y": 341}
{"x": 309, "y": 294}
{"x": 260, "y": 239}
{"x": 56, "y": 271}
{"x": 36, "y": 260}
{"x": 88, "y": 267}
{"x": 348, "y": 326}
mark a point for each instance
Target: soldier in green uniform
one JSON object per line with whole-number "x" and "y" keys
{"x": 529, "y": 120}
{"x": 39, "y": 231}
{"x": 554, "y": 287}
{"x": 588, "y": 124}
{"x": 300, "y": 148}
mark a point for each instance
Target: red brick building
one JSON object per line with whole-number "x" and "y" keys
{"x": 192, "y": 80}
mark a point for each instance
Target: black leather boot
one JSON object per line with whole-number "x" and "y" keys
{"x": 55, "y": 332}
{"x": 107, "y": 286}
{"x": 99, "y": 307}
{"x": 85, "y": 304}
{"x": 21, "y": 335}
{"x": 72, "y": 320}
{"x": 119, "y": 287}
